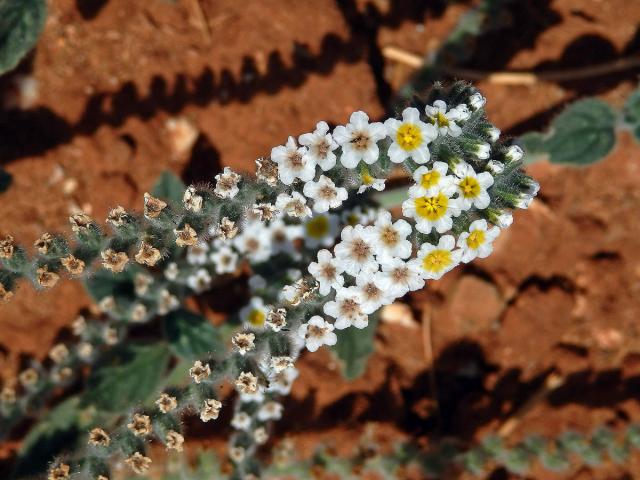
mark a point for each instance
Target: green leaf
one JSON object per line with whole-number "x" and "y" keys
{"x": 583, "y": 134}
{"x": 21, "y": 22}
{"x": 127, "y": 375}
{"x": 533, "y": 144}
{"x": 191, "y": 336}
{"x": 354, "y": 348}
{"x": 632, "y": 113}
{"x": 58, "y": 430}
{"x": 169, "y": 187}
{"x": 5, "y": 180}
{"x": 104, "y": 283}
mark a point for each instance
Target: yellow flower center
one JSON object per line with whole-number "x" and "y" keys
{"x": 353, "y": 219}
{"x": 436, "y": 260}
{"x": 432, "y": 208}
{"x": 257, "y": 318}
{"x": 475, "y": 239}
{"x": 441, "y": 120}
{"x": 430, "y": 179}
{"x": 470, "y": 187}
{"x": 318, "y": 227}
{"x": 367, "y": 179}
{"x": 409, "y": 136}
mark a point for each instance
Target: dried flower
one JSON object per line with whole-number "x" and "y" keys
{"x": 148, "y": 255}
{"x": 166, "y": 403}
{"x": 99, "y": 438}
{"x": 227, "y": 183}
{"x": 85, "y": 349}
{"x": 227, "y": 229}
{"x": 110, "y": 336}
{"x": 8, "y": 395}
{"x": 139, "y": 313}
{"x": 59, "y": 353}
{"x": 74, "y": 265}
{"x": 243, "y": 342}
{"x": 5, "y": 295}
{"x": 107, "y": 304}
{"x": 187, "y": 236}
{"x": 114, "y": 261}
{"x": 174, "y": 441}
{"x": 281, "y": 363}
{"x": 260, "y": 435}
{"x": 117, "y": 216}
{"x": 140, "y": 425}
{"x": 263, "y": 211}
{"x": 267, "y": 171}
{"x": 199, "y": 371}
{"x": 299, "y": 292}
{"x": 46, "y": 278}
{"x": 247, "y": 383}
{"x": 153, "y": 206}
{"x": 237, "y": 454}
{"x": 211, "y": 410}
{"x": 138, "y": 463}
{"x": 59, "y": 472}
{"x": 192, "y": 201}
{"x": 141, "y": 283}
{"x": 167, "y": 302}
{"x": 80, "y": 222}
{"x": 43, "y": 244}
{"x": 277, "y": 319}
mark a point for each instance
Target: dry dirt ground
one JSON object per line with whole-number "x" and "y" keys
{"x": 560, "y": 294}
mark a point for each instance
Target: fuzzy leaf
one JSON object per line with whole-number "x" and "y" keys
{"x": 584, "y": 133}
{"x": 126, "y": 376}
{"x": 5, "y": 180}
{"x": 534, "y": 145}
{"x": 632, "y": 113}
{"x": 21, "y": 22}
{"x": 169, "y": 187}
{"x": 191, "y": 336}
{"x": 58, "y": 430}
{"x": 354, "y": 348}
{"x": 104, "y": 283}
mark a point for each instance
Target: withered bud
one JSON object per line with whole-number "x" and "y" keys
{"x": 117, "y": 216}
{"x": 140, "y": 425}
{"x": 227, "y": 229}
{"x": 166, "y": 403}
{"x": 192, "y": 201}
{"x": 74, "y": 265}
{"x": 7, "y": 247}
{"x": 276, "y": 319}
{"x": 148, "y": 255}
{"x": 5, "y": 295}
{"x": 114, "y": 261}
{"x": 264, "y": 211}
{"x": 99, "y": 438}
{"x": 80, "y": 222}
{"x": 59, "y": 472}
{"x": 199, "y": 371}
{"x": 174, "y": 441}
{"x": 138, "y": 463}
{"x": 247, "y": 383}
{"x": 211, "y": 410}
{"x": 186, "y": 236}
{"x": 267, "y": 171}
{"x": 43, "y": 244}
{"x": 153, "y": 206}
{"x": 46, "y": 278}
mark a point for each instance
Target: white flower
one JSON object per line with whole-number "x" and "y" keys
{"x": 320, "y": 230}
{"x": 270, "y": 411}
{"x": 325, "y": 194}
{"x": 472, "y": 187}
{"x": 482, "y": 150}
{"x": 398, "y": 277}
{"x": 254, "y": 242}
{"x": 514, "y": 153}
{"x": 347, "y": 309}
{"x": 260, "y": 435}
{"x": 359, "y": 215}
{"x": 281, "y": 382}
{"x": 227, "y": 183}
{"x": 224, "y": 260}
{"x": 321, "y": 146}
{"x": 369, "y": 181}
{"x": 410, "y": 137}
{"x": 355, "y": 252}
{"x": 477, "y": 101}
{"x": 358, "y": 140}
{"x": 192, "y": 201}
{"x": 256, "y": 397}
{"x": 444, "y": 121}
{"x": 463, "y": 112}
{"x": 241, "y": 421}
{"x": 370, "y": 291}
{"x": 199, "y": 281}
{"x": 435, "y": 261}
{"x": 431, "y": 181}
{"x": 294, "y": 205}
{"x": 293, "y": 162}
{"x": 167, "y": 302}
{"x": 317, "y": 332}
{"x": 389, "y": 239}
{"x": 433, "y": 211}
{"x": 254, "y": 314}
{"x": 477, "y": 242}
{"x": 197, "y": 254}
{"x": 282, "y": 236}
{"x": 503, "y": 220}
{"x": 494, "y": 134}
{"x": 327, "y": 272}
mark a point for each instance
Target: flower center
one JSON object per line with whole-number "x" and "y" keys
{"x": 430, "y": 179}
{"x": 322, "y": 148}
{"x": 252, "y": 244}
{"x": 389, "y": 236}
{"x": 470, "y": 187}
{"x": 360, "y": 140}
{"x": 295, "y": 159}
{"x": 400, "y": 275}
{"x": 432, "y": 208}
{"x": 315, "y": 332}
{"x": 409, "y": 136}
{"x": 371, "y": 292}
{"x": 475, "y": 239}
{"x": 327, "y": 192}
{"x": 328, "y": 271}
{"x": 318, "y": 227}
{"x": 349, "y": 307}
{"x": 256, "y": 318}
{"x": 367, "y": 179}
{"x": 360, "y": 249}
{"x": 441, "y": 120}
{"x": 436, "y": 260}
